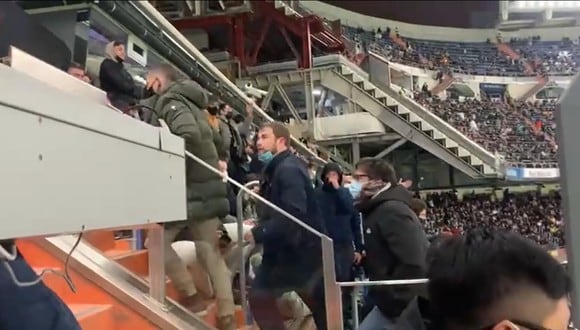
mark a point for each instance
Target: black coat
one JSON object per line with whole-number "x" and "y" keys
{"x": 118, "y": 83}
{"x": 291, "y": 254}
{"x": 396, "y": 248}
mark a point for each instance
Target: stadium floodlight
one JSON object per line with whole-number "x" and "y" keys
{"x": 545, "y": 4}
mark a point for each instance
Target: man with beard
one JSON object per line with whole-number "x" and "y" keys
{"x": 292, "y": 257}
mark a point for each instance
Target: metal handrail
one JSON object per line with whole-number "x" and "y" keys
{"x": 170, "y": 32}
{"x": 387, "y": 282}
{"x": 240, "y": 222}
{"x": 332, "y": 299}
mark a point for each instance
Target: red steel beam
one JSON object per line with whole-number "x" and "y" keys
{"x": 306, "y": 61}
{"x": 268, "y": 10}
{"x": 253, "y": 58}
{"x": 202, "y": 22}
{"x": 238, "y": 33}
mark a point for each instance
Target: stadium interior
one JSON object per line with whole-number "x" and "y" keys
{"x": 465, "y": 114}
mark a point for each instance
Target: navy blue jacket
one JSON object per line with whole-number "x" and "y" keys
{"x": 340, "y": 217}
{"x": 288, "y": 248}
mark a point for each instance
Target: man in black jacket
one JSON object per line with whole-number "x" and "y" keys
{"x": 292, "y": 257}
{"x": 395, "y": 242}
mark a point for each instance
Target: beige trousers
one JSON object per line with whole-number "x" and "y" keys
{"x": 205, "y": 235}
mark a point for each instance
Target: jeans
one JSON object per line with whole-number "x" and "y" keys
{"x": 34, "y": 307}
{"x": 375, "y": 320}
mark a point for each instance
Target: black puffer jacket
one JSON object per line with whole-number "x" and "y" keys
{"x": 396, "y": 247}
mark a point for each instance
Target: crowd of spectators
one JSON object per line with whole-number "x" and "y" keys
{"x": 550, "y": 57}
{"x": 536, "y": 216}
{"x": 521, "y": 132}
{"x": 477, "y": 58}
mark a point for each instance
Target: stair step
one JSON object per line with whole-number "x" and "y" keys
{"x": 102, "y": 240}
{"x": 135, "y": 261}
{"x": 93, "y": 317}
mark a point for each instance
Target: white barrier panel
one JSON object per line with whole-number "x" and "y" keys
{"x": 69, "y": 162}
{"x": 352, "y": 124}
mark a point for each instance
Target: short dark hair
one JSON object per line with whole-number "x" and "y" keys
{"x": 378, "y": 169}
{"x": 470, "y": 275}
{"x": 118, "y": 43}
{"x": 418, "y": 205}
{"x": 75, "y": 65}
{"x": 171, "y": 73}
{"x": 279, "y": 130}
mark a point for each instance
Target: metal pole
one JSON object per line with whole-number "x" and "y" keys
{"x": 240, "y": 222}
{"x": 388, "y": 282}
{"x": 567, "y": 118}
{"x": 354, "y": 311}
{"x": 156, "y": 248}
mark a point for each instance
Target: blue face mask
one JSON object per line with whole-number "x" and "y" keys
{"x": 265, "y": 157}
{"x": 355, "y": 188}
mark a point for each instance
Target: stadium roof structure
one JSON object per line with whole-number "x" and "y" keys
{"x": 527, "y": 14}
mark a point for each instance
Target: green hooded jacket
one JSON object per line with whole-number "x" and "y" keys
{"x": 181, "y": 107}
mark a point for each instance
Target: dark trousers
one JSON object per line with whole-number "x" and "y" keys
{"x": 31, "y": 308}
{"x": 265, "y": 291}
{"x": 343, "y": 261}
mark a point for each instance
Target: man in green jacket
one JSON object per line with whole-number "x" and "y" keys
{"x": 181, "y": 104}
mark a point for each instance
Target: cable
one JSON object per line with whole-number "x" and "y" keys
{"x": 6, "y": 258}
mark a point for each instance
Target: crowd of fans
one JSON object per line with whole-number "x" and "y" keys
{"x": 478, "y": 58}
{"x": 521, "y": 132}
{"x": 535, "y": 216}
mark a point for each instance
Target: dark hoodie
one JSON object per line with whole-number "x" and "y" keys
{"x": 396, "y": 248}
{"x": 336, "y": 206}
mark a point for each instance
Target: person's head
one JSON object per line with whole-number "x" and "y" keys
{"x": 419, "y": 208}
{"x": 374, "y": 169}
{"x": 160, "y": 78}
{"x": 226, "y": 111}
{"x": 116, "y": 51}
{"x": 331, "y": 172}
{"x": 273, "y": 138}
{"x": 77, "y": 71}
{"x": 497, "y": 280}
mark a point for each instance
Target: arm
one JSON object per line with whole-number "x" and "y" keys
{"x": 112, "y": 73}
{"x": 346, "y": 204}
{"x": 406, "y": 241}
{"x": 292, "y": 200}
{"x": 181, "y": 121}
{"x": 218, "y": 141}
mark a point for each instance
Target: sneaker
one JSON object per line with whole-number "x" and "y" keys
{"x": 194, "y": 304}
{"x": 226, "y": 323}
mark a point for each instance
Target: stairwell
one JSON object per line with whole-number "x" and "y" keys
{"x": 508, "y": 51}
{"x": 95, "y": 308}
{"x": 398, "y": 40}
{"x": 446, "y": 82}
{"x": 541, "y": 82}
{"x": 322, "y": 34}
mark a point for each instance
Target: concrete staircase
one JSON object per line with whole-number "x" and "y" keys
{"x": 445, "y": 83}
{"x": 421, "y": 126}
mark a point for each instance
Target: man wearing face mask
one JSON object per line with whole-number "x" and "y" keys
{"x": 179, "y": 103}
{"x": 291, "y": 255}
{"x": 114, "y": 78}
{"x": 395, "y": 242}
{"x": 342, "y": 221}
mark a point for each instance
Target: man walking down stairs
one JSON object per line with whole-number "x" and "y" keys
{"x": 26, "y": 304}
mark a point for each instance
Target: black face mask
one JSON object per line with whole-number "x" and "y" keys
{"x": 229, "y": 115}
{"x": 120, "y": 60}
{"x": 212, "y": 110}
{"x": 147, "y": 93}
